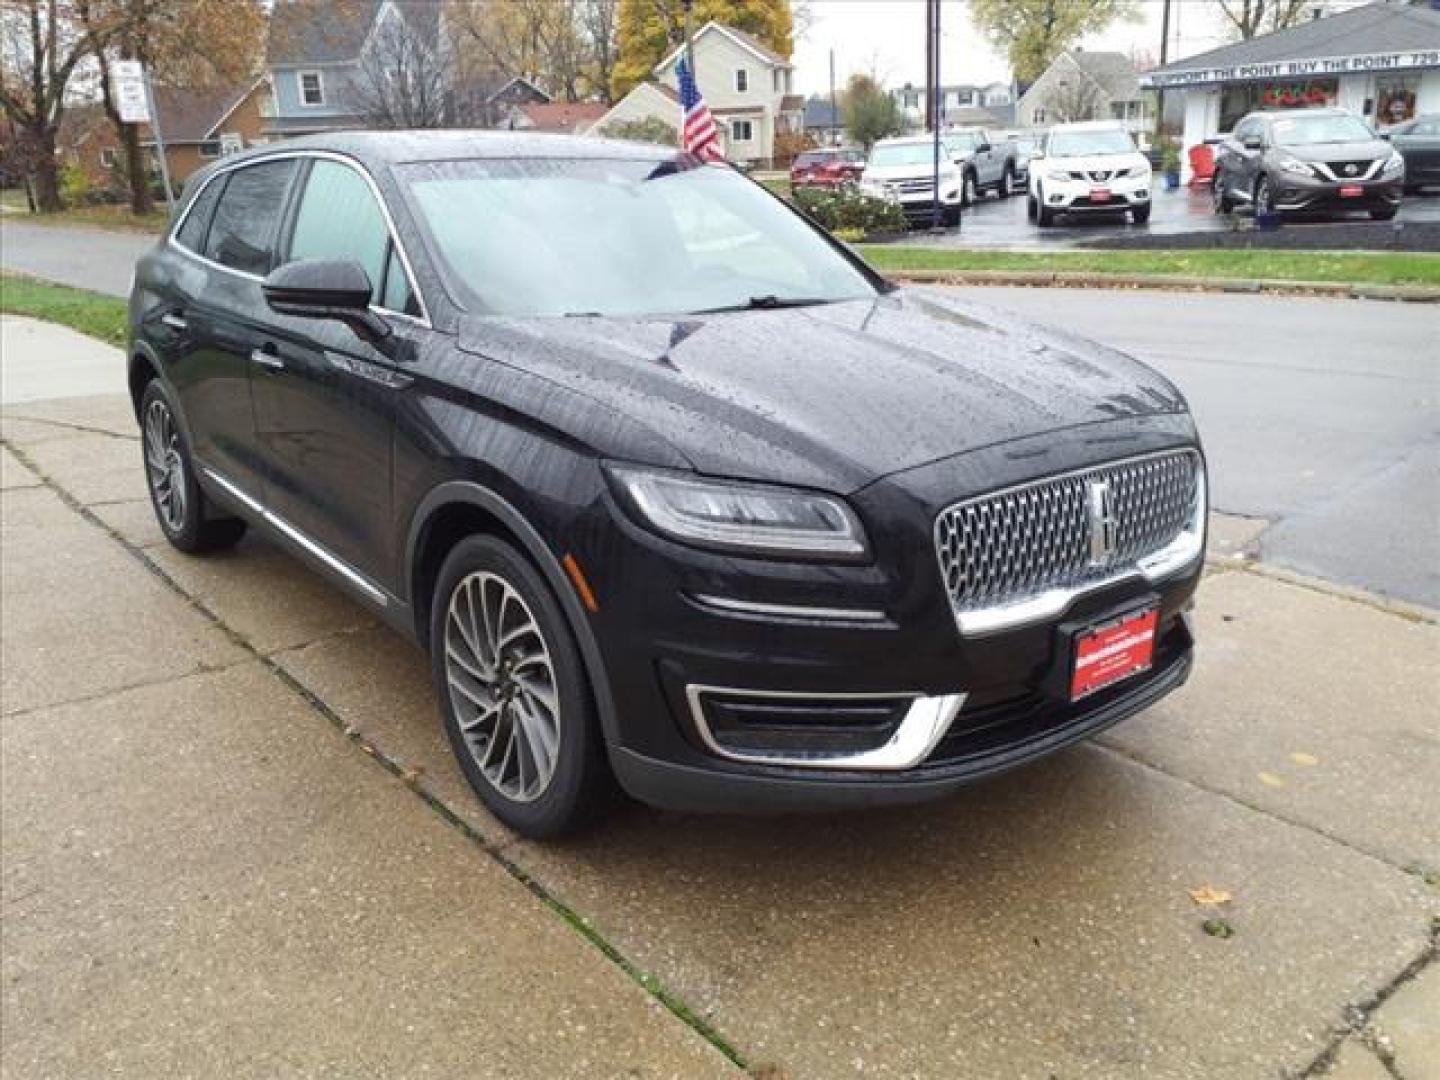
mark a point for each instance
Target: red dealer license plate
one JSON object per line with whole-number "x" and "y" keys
{"x": 1116, "y": 650}
{"x": 1100, "y": 194}
{"x": 1351, "y": 191}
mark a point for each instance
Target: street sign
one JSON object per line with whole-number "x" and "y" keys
{"x": 127, "y": 87}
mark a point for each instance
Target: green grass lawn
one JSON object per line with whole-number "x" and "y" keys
{"x": 1372, "y": 268}
{"x": 90, "y": 313}
{"x": 95, "y": 217}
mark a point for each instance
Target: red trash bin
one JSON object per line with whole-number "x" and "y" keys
{"x": 1202, "y": 163}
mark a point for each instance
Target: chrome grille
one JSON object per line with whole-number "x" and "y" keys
{"x": 914, "y": 187}
{"x": 1002, "y": 548}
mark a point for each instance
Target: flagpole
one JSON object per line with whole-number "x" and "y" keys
{"x": 689, "y": 44}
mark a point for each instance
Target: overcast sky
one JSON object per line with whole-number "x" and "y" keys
{"x": 889, "y": 35}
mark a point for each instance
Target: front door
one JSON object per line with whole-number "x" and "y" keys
{"x": 325, "y": 400}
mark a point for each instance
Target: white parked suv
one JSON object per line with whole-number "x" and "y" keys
{"x": 1094, "y": 166}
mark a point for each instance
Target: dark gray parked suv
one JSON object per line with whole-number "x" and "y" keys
{"x": 1311, "y": 161}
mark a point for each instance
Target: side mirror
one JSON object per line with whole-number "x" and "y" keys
{"x": 983, "y": 148}
{"x": 325, "y": 289}
{"x": 1253, "y": 142}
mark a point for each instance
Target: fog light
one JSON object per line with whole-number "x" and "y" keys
{"x": 1142, "y": 195}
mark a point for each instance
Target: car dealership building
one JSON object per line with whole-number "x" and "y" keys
{"x": 1381, "y": 60}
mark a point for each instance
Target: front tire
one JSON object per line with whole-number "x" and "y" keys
{"x": 1219, "y": 201}
{"x": 186, "y": 517}
{"x": 969, "y": 190}
{"x": 517, "y": 705}
{"x": 1386, "y": 214}
{"x": 1007, "y": 183}
{"x": 1044, "y": 215}
{"x": 1264, "y": 197}
{"x": 1141, "y": 215}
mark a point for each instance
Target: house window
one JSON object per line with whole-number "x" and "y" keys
{"x": 912, "y": 99}
{"x": 1038, "y": 116}
{"x": 742, "y": 80}
{"x": 741, "y": 131}
{"x": 775, "y": 81}
{"x": 312, "y": 89}
{"x": 211, "y": 149}
{"x": 107, "y": 157}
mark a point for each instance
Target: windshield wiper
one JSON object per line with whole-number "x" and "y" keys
{"x": 769, "y": 302}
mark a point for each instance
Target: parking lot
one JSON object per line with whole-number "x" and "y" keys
{"x": 235, "y": 842}
{"x": 1002, "y": 223}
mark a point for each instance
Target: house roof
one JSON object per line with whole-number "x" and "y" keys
{"x": 740, "y": 37}
{"x": 818, "y": 113}
{"x": 1113, "y": 72}
{"x": 564, "y": 115}
{"x": 189, "y": 115}
{"x": 334, "y": 31}
{"x": 1374, "y": 28}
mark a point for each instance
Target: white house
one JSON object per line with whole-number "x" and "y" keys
{"x": 964, "y": 104}
{"x": 1381, "y": 60}
{"x": 1083, "y": 85}
{"x": 748, "y": 87}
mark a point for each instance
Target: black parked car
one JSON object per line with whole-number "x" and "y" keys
{"x": 670, "y": 484}
{"x": 1418, "y": 142}
{"x": 1308, "y": 160}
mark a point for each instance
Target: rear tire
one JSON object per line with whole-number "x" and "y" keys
{"x": 186, "y": 517}
{"x": 1140, "y": 215}
{"x": 1388, "y": 214}
{"x": 517, "y": 705}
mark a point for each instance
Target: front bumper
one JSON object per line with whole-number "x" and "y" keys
{"x": 725, "y": 671}
{"x": 1077, "y": 196}
{"x": 1302, "y": 194}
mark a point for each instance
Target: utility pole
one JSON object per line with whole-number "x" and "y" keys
{"x": 1164, "y": 56}
{"x": 159, "y": 144}
{"x": 937, "y": 104}
{"x": 929, "y": 65}
{"x": 689, "y": 44}
{"x": 834, "y": 105}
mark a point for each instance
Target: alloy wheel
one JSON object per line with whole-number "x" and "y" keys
{"x": 1263, "y": 202}
{"x": 164, "y": 465}
{"x": 502, "y": 686}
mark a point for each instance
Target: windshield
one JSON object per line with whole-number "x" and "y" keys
{"x": 1095, "y": 142}
{"x": 538, "y": 237}
{"x": 915, "y": 153}
{"x": 1322, "y": 128}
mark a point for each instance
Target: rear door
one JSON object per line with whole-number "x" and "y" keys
{"x": 226, "y": 245}
{"x": 325, "y": 400}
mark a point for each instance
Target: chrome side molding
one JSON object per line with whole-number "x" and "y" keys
{"x": 725, "y": 604}
{"x": 919, "y": 732}
{"x": 290, "y": 532}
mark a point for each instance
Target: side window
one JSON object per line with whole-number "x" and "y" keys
{"x": 242, "y": 236}
{"x": 191, "y": 233}
{"x": 339, "y": 219}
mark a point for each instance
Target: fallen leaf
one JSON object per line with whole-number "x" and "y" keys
{"x": 1304, "y": 759}
{"x": 1218, "y": 928}
{"x": 1208, "y": 895}
{"x": 1269, "y": 779}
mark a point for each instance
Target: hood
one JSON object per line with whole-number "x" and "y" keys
{"x": 1363, "y": 150}
{"x": 1099, "y": 162}
{"x": 922, "y": 171}
{"x": 833, "y": 396}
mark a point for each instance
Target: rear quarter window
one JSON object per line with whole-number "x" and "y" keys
{"x": 196, "y": 224}
{"x": 247, "y": 218}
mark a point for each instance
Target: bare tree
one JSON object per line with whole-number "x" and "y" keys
{"x": 403, "y": 78}
{"x": 1250, "y": 18}
{"x": 1074, "y": 100}
{"x": 599, "y": 21}
{"x": 42, "y": 42}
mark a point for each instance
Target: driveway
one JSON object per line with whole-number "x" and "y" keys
{"x": 233, "y": 843}
{"x": 1002, "y": 223}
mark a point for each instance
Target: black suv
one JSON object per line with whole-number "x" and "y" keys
{"x": 1310, "y": 161}
{"x": 672, "y": 486}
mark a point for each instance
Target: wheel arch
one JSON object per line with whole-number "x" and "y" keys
{"x": 143, "y": 367}
{"x": 459, "y": 508}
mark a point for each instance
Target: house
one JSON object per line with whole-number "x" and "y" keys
{"x": 1380, "y": 60}
{"x": 962, "y": 105}
{"x": 647, "y": 101}
{"x": 824, "y": 121}
{"x": 500, "y": 102}
{"x": 198, "y": 125}
{"x": 317, "y": 53}
{"x": 1081, "y": 85}
{"x": 560, "y": 117}
{"x": 747, "y": 86}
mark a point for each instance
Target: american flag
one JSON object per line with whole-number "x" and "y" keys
{"x": 699, "y": 134}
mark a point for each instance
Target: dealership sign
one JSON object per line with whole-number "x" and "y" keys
{"x": 1290, "y": 69}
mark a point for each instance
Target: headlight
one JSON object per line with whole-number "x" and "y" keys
{"x": 1296, "y": 166}
{"x": 740, "y": 517}
{"x": 1058, "y": 175}
{"x": 1394, "y": 164}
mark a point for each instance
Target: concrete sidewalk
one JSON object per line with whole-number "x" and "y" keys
{"x": 234, "y": 842}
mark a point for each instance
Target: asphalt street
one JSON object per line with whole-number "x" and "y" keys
{"x": 1320, "y": 416}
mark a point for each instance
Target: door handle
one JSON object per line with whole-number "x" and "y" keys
{"x": 173, "y": 320}
{"x": 267, "y": 357}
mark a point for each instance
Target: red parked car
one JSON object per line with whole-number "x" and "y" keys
{"x": 827, "y": 168}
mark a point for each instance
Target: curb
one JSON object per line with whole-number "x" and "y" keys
{"x": 1064, "y": 279}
